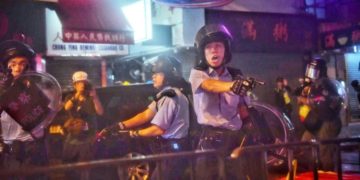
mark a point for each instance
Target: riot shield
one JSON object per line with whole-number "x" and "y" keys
{"x": 32, "y": 100}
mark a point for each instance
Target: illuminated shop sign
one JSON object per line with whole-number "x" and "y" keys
{"x": 57, "y": 45}
{"x": 340, "y": 38}
{"x": 96, "y": 36}
{"x": 265, "y": 32}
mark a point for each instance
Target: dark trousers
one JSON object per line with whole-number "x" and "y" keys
{"x": 25, "y": 155}
{"x": 77, "y": 149}
{"x": 247, "y": 166}
{"x": 173, "y": 169}
{"x": 328, "y": 130}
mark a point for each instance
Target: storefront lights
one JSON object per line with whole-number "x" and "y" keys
{"x": 138, "y": 14}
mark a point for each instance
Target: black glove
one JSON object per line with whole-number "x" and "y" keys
{"x": 108, "y": 131}
{"x": 242, "y": 86}
{"x": 115, "y": 131}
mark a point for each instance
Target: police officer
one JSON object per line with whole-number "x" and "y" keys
{"x": 168, "y": 115}
{"x": 219, "y": 108}
{"x": 323, "y": 119}
{"x": 21, "y": 148}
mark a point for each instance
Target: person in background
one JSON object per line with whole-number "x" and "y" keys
{"x": 168, "y": 115}
{"x": 83, "y": 107}
{"x": 355, "y": 85}
{"x": 322, "y": 119}
{"x": 282, "y": 96}
{"x": 20, "y": 148}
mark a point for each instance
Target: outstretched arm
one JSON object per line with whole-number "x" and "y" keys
{"x": 138, "y": 119}
{"x": 201, "y": 80}
{"x": 216, "y": 86}
{"x": 151, "y": 131}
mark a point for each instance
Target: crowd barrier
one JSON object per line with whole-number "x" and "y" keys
{"x": 264, "y": 149}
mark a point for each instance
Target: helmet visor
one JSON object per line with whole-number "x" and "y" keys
{"x": 311, "y": 71}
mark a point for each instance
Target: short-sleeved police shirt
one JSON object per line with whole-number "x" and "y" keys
{"x": 215, "y": 109}
{"x": 171, "y": 114}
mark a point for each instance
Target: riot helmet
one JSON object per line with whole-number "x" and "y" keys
{"x": 212, "y": 33}
{"x": 12, "y": 48}
{"x": 171, "y": 67}
{"x": 168, "y": 65}
{"x": 316, "y": 69}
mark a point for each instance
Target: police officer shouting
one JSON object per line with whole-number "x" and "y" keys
{"x": 168, "y": 115}
{"x": 219, "y": 108}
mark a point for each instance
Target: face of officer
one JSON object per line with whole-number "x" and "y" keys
{"x": 18, "y": 65}
{"x": 158, "y": 79}
{"x": 214, "y": 54}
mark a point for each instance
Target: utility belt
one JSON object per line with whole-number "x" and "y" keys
{"x": 217, "y": 132}
{"x": 219, "y": 138}
{"x": 162, "y": 145}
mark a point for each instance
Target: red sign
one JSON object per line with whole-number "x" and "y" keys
{"x": 98, "y": 37}
{"x": 341, "y": 38}
{"x": 355, "y": 36}
{"x": 265, "y": 32}
{"x": 280, "y": 32}
{"x": 249, "y": 30}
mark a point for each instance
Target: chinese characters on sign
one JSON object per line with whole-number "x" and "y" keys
{"x": 355, "y": 36}
{"x": 341, "y": 38}
{"x": 265, "y": 32}
{"x": 330, "y": 41}
{"x": 280, "y": 32}
{"x": 249, "y": 30}
{"x": 97, "y": 37}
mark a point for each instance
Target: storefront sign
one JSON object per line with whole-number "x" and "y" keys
{"x": 97, "y": 37}
{"x": 340, "y": 38}
{"x": 57, "y": 45}
{"x": 265, "y": 32}
{"x": 94, "y": 21}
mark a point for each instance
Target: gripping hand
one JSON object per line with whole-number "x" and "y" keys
{"x": 242, "y": 86}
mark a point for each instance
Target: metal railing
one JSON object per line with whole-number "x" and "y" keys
{"x": 85, "y": 166}
{"x": 315, "y": 153}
